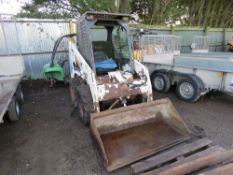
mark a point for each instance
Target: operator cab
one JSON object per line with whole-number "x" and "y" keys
{"x": 107, "y": 36}
{"x": 110, "y": 47}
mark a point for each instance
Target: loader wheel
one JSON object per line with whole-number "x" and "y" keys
{"x": 14, "y": 110}
{"x": 84, "y": 116}
{"x": 160, "y": 82}
{"x": 84, "y": 103}
{"x": 188, "y": 90}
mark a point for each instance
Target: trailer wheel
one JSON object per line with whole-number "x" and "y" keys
{"x": 84, "y": 103}
{"x": 188, "y": 90}
{"x": 14, "y": 110}
{"x": 160, "y": 82}
{"x": 19, "y": 95}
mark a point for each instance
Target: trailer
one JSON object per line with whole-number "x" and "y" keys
{"x": 194, "y": 74}
{"x": 11, "y": 96}
{"x": 11, "y": 72}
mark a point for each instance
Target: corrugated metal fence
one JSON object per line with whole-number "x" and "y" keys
{"x": 36, "y": 39}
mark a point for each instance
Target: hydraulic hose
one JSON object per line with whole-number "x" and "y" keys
{"x": 57, "y": 43}
{"x": 132, "y": 85}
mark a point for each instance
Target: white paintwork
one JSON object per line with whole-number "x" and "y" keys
{"x": 147, "y": 88}
{"x": 75, "y": 58}
{"x": 166, "y": 58}
{"x": 118, "y": 76}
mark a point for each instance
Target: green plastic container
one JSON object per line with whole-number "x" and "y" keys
{"x": 54, "y": 71}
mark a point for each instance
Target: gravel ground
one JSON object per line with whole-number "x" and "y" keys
{"x": 49, "y": 141}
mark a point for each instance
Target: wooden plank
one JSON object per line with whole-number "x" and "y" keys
{"x": 197, "y": 164}
{"x": 186, "y": 159}
{"x": 168, "y": 155}
{"x": 222, "y": 170}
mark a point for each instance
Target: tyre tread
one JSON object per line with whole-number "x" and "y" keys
{"x": 196, "y": 87}
{"x": 83, "y": 92}
{"x": 12, "y": 114}
{"x": 167, "y": 83}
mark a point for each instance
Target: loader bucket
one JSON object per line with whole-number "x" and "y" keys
{"x": 125, "y": 135}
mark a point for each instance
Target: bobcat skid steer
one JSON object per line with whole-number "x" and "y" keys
{"x": 112, "y": 92}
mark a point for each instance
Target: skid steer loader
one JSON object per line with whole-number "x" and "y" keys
{"x": 112, "y": 92}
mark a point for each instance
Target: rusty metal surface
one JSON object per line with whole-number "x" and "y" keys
{"x": 132, "y": 133}
{"x": 127, "y": 145}
{"x": 115, "y": 85}
{"x": 119, "y": 90}
{"x": 103, "y": 79}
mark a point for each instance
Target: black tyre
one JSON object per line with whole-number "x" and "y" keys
{"x": 188, "y": 90}
{"x": 84, "y": 115}
{"x": 19, "y": 95}
{"x": 160, "y": 82}
{"x": 14, "y": 110}
{"x": 84, "y": 103}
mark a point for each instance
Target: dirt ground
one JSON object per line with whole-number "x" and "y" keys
{"x": 49, "y": 141}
